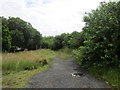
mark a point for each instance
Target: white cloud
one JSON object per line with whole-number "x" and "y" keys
{"x": 50, "y": 17}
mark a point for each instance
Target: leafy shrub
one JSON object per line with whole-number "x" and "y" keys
{"x": 102, "y": 36}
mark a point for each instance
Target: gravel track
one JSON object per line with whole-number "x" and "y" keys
{"x": 59, "y": 76}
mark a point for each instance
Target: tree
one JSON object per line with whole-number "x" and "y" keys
{"x": 18, "y": 25}
{"x": 76, "y": 40}
{"x": 102, "y": 35}
{"x": 58, "y": 42}
{"x": 47, "y": 42}
{"x": 17, "y": 38}
{"x": 6, "y": 39}
{"x": 19, "y": 33}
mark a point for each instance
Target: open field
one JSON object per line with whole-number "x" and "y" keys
{"x": 19, "y": 67}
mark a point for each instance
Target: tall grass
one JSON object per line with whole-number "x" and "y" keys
{"x": 110, "y": 75}
{"x": 27, "y": 60}
{"x": 27, "y": 63}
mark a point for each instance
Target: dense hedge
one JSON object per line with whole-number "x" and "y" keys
{"x": 102, "y": 36}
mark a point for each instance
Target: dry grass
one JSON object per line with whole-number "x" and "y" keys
{"x": 25, "y": 60}
{"x": 18, "y": 68}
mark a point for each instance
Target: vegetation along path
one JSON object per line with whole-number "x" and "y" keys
{"x": 59, "y": 76}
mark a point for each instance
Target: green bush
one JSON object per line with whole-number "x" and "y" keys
{"x": 102, "y": 36}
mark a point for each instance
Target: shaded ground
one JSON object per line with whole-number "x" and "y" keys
{"x": 59, "y": 76}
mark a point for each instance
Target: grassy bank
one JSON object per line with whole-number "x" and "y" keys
{"x": 64, "y": 53}
{"x": 19, "y": 67}
{"x": 110, "y": 75}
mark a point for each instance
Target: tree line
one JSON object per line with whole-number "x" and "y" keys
{"x": 99, "y": 41}
{"x": 19, "y": 33}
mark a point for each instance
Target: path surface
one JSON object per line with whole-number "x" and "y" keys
{"x": 59, "y": 76}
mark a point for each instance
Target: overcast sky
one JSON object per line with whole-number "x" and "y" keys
{"x": 50, "y": 17}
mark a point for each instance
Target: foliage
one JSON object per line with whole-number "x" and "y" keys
{"x": 76, "y": 40}
{"x": 102, "y": 35}
{"x": 6, "y": 39}
{"x": 47, "y": 42}
{"x": 73, "y": 40}
{"x": 22, "y": 34}
{"x": 98, "y": 45}
{"x": 57, "y": 44}
{"x": 17, "y": 38}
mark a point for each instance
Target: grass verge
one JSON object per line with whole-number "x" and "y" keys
{"x": 21, "y": 78}
{"x": 64, "y": 53}
{"x": 18, "y": 68}
{"x": 110, "y": 75}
